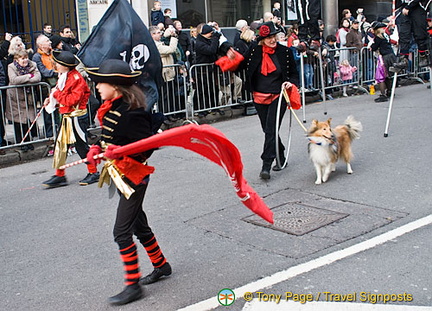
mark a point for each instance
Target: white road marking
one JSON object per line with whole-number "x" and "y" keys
{"x": 289, "y": 273}
{"x": 328, "y": 306}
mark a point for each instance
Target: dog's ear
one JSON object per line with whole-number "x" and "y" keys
{"x": 314, "y": 123}
{"x": 329, "y": 121}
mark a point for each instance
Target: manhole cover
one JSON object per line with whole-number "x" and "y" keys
{"x": 297, "y": 218}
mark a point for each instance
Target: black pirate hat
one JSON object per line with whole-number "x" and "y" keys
{"x": 113, "y": 71}
{"x": 267, "y": 29}
{"x": 65, "y": 58}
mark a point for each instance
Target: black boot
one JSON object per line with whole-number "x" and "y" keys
{"x": 276, "y": 167}
{"x": 129, "y": 294}
{"x": 157, "y": 273}
{"x": 265, "y": 171}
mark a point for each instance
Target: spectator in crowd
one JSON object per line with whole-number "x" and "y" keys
{"x": 167, "y": 18}
{"x": 71, "y": 96}
{"x": 247, "y": 39}
{"x": 2, "y": 128}
{"x": 276, "y": 10}
{"x": 310, "y": 58}
{"x": 330, "y": 69}
{"x": 230, "y": 85}
{"x": 4, "y": 47}
{"x": 270, "y": 67}
{"x": 297, "y": 55}
{"x": 56, "y": 43}
{"x": 346, "y": 74}
{"x": 321, "y": 26}
{"x": 21, "y": 107}
{"x": 268, "y": 17}
{"x": 193, "y": 37}
{"x": 183, "y": 40}
{"x": 281, "y": 38}
{"x": 46, "y": 65}
{"x": 68, "y": 38}
{"x": 354, "y": 40}
{"x": 386, "y": 60}
{"x": 360, "y": 16}
{"x": 47, "y": 30}
{"x": 241, "y": 25}
{"x": 206, "y": 49}
{"x": 346, "y": 13}
{"x": 167, "y": 56}
{"x": 341, "y": 35}
{"x": 156, "y": 15}
{"x": 292, "y": 34}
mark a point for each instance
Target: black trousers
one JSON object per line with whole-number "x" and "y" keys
{"x": 308, "y": 13}
{"x": 131, "y": 219}
{"x": 414, "y": 24}
{"x": 267, "y": 116}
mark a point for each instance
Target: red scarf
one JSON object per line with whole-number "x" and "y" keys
{"x": 104, "y": 108}
{"x": 267, "y": 65}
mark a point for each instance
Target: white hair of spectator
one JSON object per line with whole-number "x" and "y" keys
{"x": 268, "y": 16}
{"x": 240, "y": 24}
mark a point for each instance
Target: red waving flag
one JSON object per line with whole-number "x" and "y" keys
{"x": 212, "y": 144}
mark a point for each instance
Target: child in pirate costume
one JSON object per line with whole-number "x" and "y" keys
{"x": 124, "y": 121}
{"x": 70, "y": 95}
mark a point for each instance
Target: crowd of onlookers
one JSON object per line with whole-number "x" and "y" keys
{"x": 339, "y": 54}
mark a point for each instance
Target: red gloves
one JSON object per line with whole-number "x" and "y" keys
{"x": 94, "y": 150}
{"x": 109, "y": 152}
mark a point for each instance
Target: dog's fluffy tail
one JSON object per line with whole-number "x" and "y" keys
{"x": 354, "y": 127}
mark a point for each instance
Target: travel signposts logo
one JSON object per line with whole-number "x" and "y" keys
{"x": 226, "y": 297}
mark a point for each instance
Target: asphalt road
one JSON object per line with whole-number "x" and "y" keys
{"x": 57, "y": 251}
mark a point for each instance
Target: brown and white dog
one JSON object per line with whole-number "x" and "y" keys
{"x": 326, "y": 145}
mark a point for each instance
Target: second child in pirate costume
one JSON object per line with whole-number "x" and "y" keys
{"x": 124, "y": 120}
{"x": 70, "y": 95}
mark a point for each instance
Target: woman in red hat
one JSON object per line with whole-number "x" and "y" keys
{"x": 270, "y": 66}
{"x": 124, "y": 121}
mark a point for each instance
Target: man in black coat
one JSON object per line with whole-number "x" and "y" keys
{"x": 207, "y": 90}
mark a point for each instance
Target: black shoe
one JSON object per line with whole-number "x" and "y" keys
{"x": 278, "y": 168}
{"x": 265, "y": 171}
{"x": 90, "y": 179}
{"x": 129, "y": 294}
{"x": 381, "y": 99}
{"x": 157, "y": 273}
{"x": 55, "y": 181}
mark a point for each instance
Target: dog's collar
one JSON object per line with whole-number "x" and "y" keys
{"x": 331, "y": 141}
{"x": 314, "y": 142}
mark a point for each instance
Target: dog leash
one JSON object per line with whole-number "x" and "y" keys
{"x": 285, "y": 94}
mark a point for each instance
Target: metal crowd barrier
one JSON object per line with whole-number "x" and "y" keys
{"x": 31, "y": 121}
{"x": 206, "y": 88}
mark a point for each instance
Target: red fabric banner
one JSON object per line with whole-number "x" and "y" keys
{"x": 212, "y": 144}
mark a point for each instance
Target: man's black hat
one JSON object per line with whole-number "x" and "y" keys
{"x": 113, "y": 71}
{"x": 65, "y": 58}
{"x": 55, "y": 40}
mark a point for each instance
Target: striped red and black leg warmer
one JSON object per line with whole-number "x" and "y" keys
{"x": 154, "y": 252}
{"x": 129, "y": 256}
